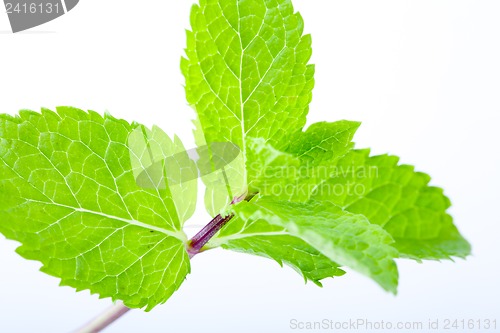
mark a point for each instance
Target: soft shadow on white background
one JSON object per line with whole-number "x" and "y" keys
{"x": 422, "y": 76}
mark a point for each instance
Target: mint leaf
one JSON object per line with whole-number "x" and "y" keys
{"x": 270, "y": 169}
{"x": 261, "y": 238}
{"x": 323, "y": 143}
{"x": 346, "y": 238}
{"x": 398, "y": 199}
{"x": 391, "y": 195}
{"x": 247, "y": 76}
{"x": 246, "y": 70}
{"x": 158, "y": 162}
{"x": 310, "y": 159}
{"x": 68, "y": 194}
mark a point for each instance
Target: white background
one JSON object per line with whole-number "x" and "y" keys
{"x": 424, "y": 78}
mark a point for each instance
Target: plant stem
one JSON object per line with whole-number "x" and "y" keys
{"x": 195, "y": 244}
{"x": 105, "y": 319}
{"x": 201, "y": 238}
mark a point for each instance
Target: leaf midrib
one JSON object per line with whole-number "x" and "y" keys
{"x": 177, "y": 234}
{"x": 242, "y": 105}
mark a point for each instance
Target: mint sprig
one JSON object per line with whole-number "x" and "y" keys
{"x": 101, "y": 202}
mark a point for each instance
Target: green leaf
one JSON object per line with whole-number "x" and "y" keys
{"x": 308, "y": 159}
{"x": 158, "y": 162}
{"x": 247, "y": 75}
{"x": 345, "y": 238}
{"x": 270, "y": 169}
{"x": 261, "y": 238}
{"x": 398, "y": 199}
{"x": 69, "y": 195}
{"x": 323, "y": 142}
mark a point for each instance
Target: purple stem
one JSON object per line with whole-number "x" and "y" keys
{"x": 201, "y": 238}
